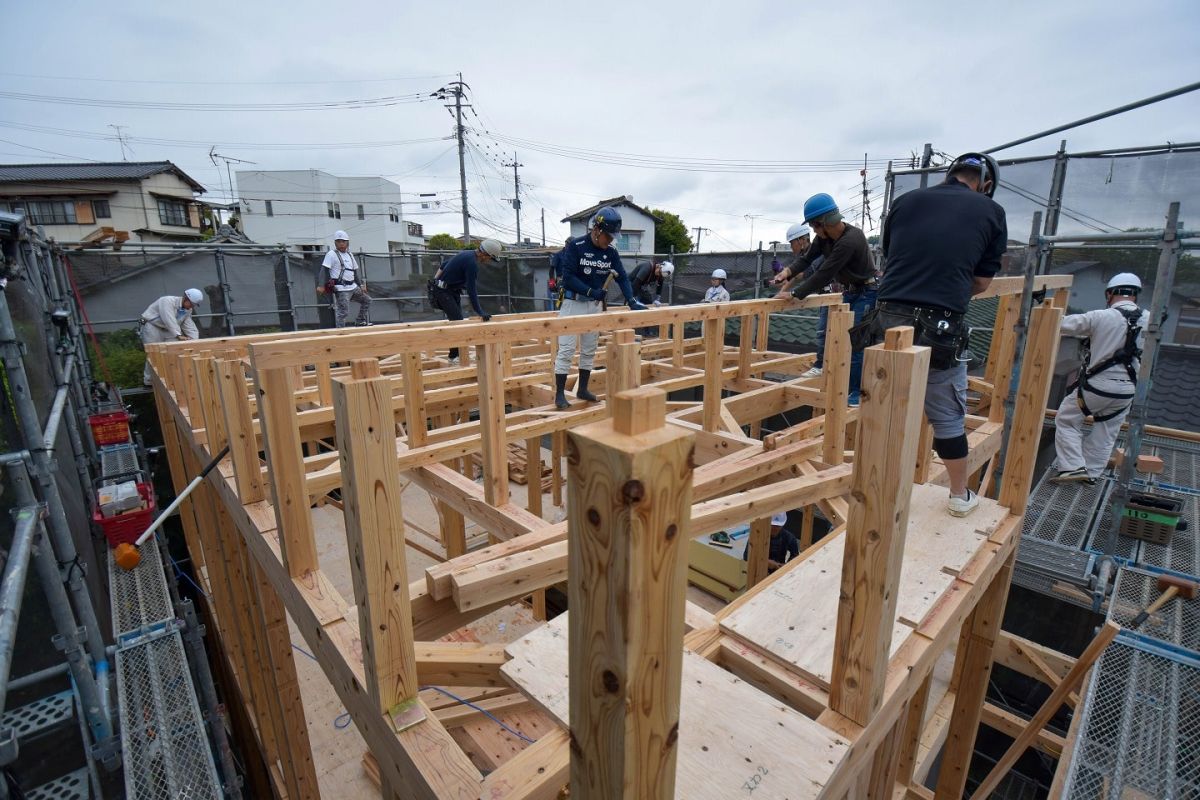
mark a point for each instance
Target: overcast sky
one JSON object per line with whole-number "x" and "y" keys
{"x": 749, "y": 81}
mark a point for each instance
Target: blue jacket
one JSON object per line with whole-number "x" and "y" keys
{"x": 586, "y": 267}
{"x": 460, "y": 272}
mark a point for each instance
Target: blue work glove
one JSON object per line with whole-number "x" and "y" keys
{"x": 597, "y": 293}
{"x": 486, "y": 317}
{"x": 634, "y": 305}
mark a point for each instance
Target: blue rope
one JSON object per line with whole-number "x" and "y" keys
{"x": 179, "y": 573}
{"x": 469, "y": 704}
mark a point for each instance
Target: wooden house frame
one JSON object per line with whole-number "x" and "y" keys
{"x": 835, "y": 653}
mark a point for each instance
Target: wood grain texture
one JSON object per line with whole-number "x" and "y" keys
{"x": 629, "y": 499}
{"x": 837, "y": 382}
{"x": 714, "y": 348}
{"x": 239, "y": 422}
{"x": 492, "y": 423}
{"x": 893, "y": 393}
{"x": 375, "y": 538}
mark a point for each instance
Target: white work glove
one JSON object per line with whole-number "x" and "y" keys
{"x": 658, "y": 302}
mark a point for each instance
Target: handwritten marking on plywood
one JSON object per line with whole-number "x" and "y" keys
{"x": 795, "y": 619}
{"x": 733, "y": 739}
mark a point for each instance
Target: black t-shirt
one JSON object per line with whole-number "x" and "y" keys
{"x": 647, "y": 287}
{"x": 847, "y": 261}
{"x": 782, "y": 546}
{"x": 936, "y": 242}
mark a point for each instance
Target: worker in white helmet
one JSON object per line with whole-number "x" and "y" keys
{"x": 343, "y": 283}
{"x": 648, "y": 280}
{"x": 459, "y": 273}
{"x": 799, "y": 237}
{"x": 1112, "y": 350}
{"x": 717, "y": 293}
{"x": 168, "y": 319}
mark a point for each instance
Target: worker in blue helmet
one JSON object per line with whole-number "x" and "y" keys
{"x": 840, "y": 254}
{"x": 589, "y": 264}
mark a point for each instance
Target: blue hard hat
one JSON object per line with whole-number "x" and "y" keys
{"x": 608, "y": 220}
{"x": 818, "y": 206}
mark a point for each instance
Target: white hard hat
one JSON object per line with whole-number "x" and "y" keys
{"x": 195, "y": 295}
{"x": 491, "y": 247}
{"x": 1125, "y": 280}
{"x": 779, "y": 520}
{"x": 340, "y": 236}
{"x": 719, "y": 273}
{"x": 797, "y": 230}
{"x": 668, "y": 269}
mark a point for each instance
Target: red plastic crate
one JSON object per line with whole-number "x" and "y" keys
{"x": 126, "y": 528}
{"x": 110, "y": 428}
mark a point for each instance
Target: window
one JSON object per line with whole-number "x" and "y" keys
{"x": 361, "y": 215}
{"x": 329, "y": 208}
{"x": 173, "y": 212}
{"x": 337, "y": 210}
{"x": 270, "y": 208}
{"x": 415, "y": 229}
{"x": 101, "y": 210}
{"x": 393, "y": 214}
{"x": 629, "y": 242}
{"x": 52, "y": 212}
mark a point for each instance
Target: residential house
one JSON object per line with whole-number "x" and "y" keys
{"x": 303, "y": 208}
{"x": 151, "y": 201}
{"x": 637, "y": 229}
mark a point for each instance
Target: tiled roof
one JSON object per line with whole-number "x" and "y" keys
{"x": 612, "y": 201}
{"x": 91, "y": 171}
{"x": 1175, "y": 394}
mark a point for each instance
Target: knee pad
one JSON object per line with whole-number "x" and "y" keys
{"x": 954, "y": 447}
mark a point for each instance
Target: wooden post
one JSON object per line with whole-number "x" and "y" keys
{"x": 285, "y": 462}
{"x": 924, "y": 453}
{"x": 763, "y": 333}
{"x": 714, "y": 352}
{"x": 1037, "y": 370}
{"x": 1004, "y": 343}
{"x": 364, "y": 420}
{"x": 235, "y": 401}
{"x": 628, "y": 511}
{"x": 759, "y": 546}
{"x": 745, "y": 346}
{"x": 837, "y": 382}
{"x": 415, "y": 417}
{"x": 324, "y": 383}
{"x": 533, "y": 475}
{"x": 556, "y": 477}
{"x": 624, "y": 363}
{"x": 972, "y": 671}
{"x": 491, "y": 423}
{"x": 677, "y": 344}
{"x": 893, "y": 392}
{"x": 806, "y": 528}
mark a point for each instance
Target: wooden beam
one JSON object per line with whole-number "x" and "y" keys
{"x": 714, "y": 351}
{"x": 893, "y": 391}
{"x": 758, "y": 546}
{"x": 539, "y": 772}
{"x": 235, "y": 404}
{"x": 1037, "y": 370}
{"x": 492, "y": 422}
{"x": 293, "y": 515}
{"x": 1011, "y": 725}
{"x": 460, "y": 663}
{"x": 375, "y": 538}
{"x": 628, "y": 507}
{"x": 415, "y": 418}
{"x": 1072, "y": 681}
{"x": 837, "y": 382}
{"x": 1004, "y": 339}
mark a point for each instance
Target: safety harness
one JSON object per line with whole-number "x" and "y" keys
{"x": 1126, "y": 356}
{"x": 353, "y": 269}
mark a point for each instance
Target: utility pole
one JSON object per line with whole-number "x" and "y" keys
{"x": 516, "y": 202}
{"x": 698, "y": 232}
{"x": 862, "y": 211}
{"x": 458, "y": 89}
{"x": 752, "y": 217}
{"x": 543, "y": 227}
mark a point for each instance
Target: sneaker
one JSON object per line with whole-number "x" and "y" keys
{"x": 814, "y": 372}
{"x": 362, "y": 324}
{"x": 454, "y": 361}
{"x": 1073, "y": 476}
{"x": 962, "y": 506}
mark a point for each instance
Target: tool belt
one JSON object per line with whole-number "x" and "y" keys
{"x": 945, "y": 333}
{"x": 567, "y": 294}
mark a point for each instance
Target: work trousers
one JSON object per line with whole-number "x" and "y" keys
{"x": 341, "y": 306}
{"x": 450, "y": 303}
{"x": 152, "y": 334}
{"x": 1072, "y": 449}
{"x": 566, "y": 344}
{"x": 860, "y": 303}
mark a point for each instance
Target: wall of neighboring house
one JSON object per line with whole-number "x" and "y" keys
{"x": 170, "y": 208}
{"x": 293, "y": 207}
{"x": 1087, "y": 294}
{"x": 637, "y": 231}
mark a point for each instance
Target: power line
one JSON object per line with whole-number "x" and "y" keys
{"x": 224, "y": 82}
{"x": 326, "y": 105}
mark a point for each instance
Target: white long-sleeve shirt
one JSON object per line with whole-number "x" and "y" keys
{"x": 1106, "y": 328}
{"x": 169, "y": 314}
{"x": 716, "y": 294}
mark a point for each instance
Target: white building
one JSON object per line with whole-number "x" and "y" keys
{"x": 637, "y": 225}
{"x": 147, "y": 201}
{"x": 302, "y": 208}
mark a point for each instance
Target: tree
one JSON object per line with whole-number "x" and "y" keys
{"x": 443, "y": 241}
{"x": 671, "y": 232}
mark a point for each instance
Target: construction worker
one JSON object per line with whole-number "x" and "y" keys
{"x": 167, "y": 319}
{"x": 799, "y": 238}
{"x": 343, "y": 284}
{"x": 716, "y": 292}
{"x": 589, "y": 263}
{"x": 784, "y": 545}
{"x": 1113, "y": 338}
{"x": 942, "y": 246}
{"x": 648, "y": 280}
{"x": 461, "y": 272}
{"x": 847, "y": 260}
